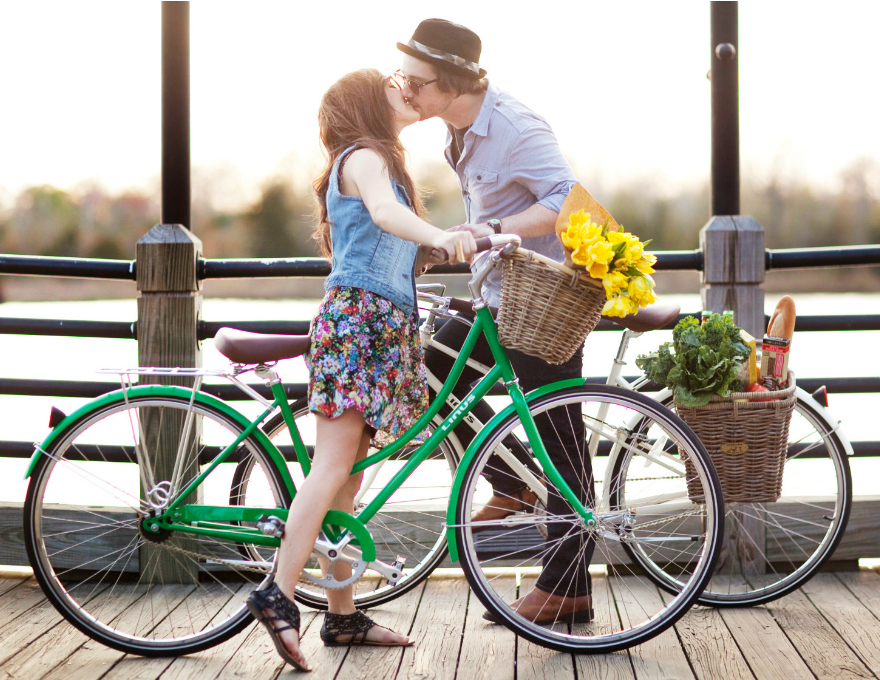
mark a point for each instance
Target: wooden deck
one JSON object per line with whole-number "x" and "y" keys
{"x": 830, "y": 629}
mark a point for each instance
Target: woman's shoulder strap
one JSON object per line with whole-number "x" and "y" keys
{"x": 340, "y": 162}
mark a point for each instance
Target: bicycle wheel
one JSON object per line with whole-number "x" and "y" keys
{"x": 408, "y": 526}
{"x": 770, "y": 549}
{"x": 677, "y": 517}
{"x": 137, "y": 591}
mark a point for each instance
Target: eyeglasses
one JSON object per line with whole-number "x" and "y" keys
{"x": 400, "y": 81}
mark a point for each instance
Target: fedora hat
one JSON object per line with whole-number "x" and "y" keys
{"x": 447, "y": 45}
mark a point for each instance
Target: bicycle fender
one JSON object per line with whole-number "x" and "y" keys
{"x": 165, "y": 391}
{"x": 477, "y": 443}
{"x": 807, "y": 398}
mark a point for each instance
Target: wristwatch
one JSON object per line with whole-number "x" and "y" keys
{"x": 495, "y": 224}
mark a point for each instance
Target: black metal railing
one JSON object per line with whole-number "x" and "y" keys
{"x": 315, "y": 267}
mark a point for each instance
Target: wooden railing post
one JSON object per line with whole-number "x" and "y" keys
{"x": 169, "y": 302}
{"x": 733, "y": 270}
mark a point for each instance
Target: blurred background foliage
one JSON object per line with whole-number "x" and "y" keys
{"x": 88, "y": 222}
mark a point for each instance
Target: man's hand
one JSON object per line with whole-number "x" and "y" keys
{"x": 479, "y": 230}
{"x": 428, "y": 257}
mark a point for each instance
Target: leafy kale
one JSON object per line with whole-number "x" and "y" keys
{"x": 705, "y": 361}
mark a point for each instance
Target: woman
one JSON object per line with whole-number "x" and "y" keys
{"x": 366, "y": 367}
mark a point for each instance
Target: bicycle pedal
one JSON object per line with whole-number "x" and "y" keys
{"x": 397, "y": 565}
{"x": 271, "y": 526}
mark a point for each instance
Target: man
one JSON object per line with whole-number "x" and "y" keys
{"x": 513, "y": 179}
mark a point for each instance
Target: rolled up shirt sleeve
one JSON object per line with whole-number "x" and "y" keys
{"x": 537, "y": 164}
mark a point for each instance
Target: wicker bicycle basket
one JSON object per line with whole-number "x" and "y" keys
{"x": 747, "y": 439}
{"x": 547, "y": 309}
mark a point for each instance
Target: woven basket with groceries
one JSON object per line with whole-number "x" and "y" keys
{"x": 738, "y": 404}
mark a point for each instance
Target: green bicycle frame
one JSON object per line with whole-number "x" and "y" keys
{"x": 209, "y": 520}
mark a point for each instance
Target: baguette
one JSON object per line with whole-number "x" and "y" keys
{"x": 782, "y": 322}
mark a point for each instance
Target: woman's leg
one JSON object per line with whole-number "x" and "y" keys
{"x": 338, "y": 444}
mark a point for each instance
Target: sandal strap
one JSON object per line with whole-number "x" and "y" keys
{"x": 336, "y": 625}
{"x": 285, "y": 609}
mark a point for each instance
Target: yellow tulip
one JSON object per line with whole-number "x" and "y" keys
{"x": 614, "y": 283}
{"x": 619, "y": 306}
{"x": 640, "y": 291}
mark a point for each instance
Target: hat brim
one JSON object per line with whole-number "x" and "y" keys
{"x": 440, "y": 63}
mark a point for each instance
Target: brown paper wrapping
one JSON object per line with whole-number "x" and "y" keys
{"x": 580, "y": 199}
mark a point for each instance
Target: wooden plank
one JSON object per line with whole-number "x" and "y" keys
{"x": 375, "y": 663}
{"x": 8, "y": 583}
{"x": 256, "y": 658}
{"x": 661, "y": 656}
{"x": 764, "y": 645}
{"x": 32, "y": 618}
{"x": 94, "y": 659}
{"x": 488, "y": 651}
{"x": 819, "y": 645}
{"x": 535, "y": 661}
{"x": 16, "y": 605}
{"x": 196, "y": 611}
{"x": 710, "y": 646}
{"x": 51, "y": 640}
{"x": 615, "y": 666}
{"x": 437, "y": 631}
{"x": 864, "y": 585}
{"x": 851, "y": 618}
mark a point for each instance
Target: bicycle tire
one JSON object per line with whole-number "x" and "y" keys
{"x": 500, "y": 559}
{"x": 801, "y": 530}
{"x": 156, "y": 595}
{"x": 410, "y": 524}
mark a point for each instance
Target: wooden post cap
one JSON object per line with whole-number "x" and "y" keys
{"x": 167, "y": 260}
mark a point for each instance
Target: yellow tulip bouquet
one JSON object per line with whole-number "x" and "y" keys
{"x": 613, "y": 256}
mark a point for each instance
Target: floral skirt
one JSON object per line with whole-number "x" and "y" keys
{"x": 366, "y": 354}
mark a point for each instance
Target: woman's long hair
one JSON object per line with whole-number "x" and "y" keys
{"x": 355, "y": 112}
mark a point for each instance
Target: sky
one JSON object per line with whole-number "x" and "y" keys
{"x": 623, "y": 84}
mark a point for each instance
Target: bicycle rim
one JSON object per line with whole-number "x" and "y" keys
{"x": 770, "y": 549}
{"x": 408, "y": 526}
{"x": 505, "y": 558}
{"x": 142, "y": 593}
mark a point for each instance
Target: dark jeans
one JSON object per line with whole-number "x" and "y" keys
{"x": 563, "y": 433}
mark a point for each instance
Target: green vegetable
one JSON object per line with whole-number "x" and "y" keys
{"x": 706, "y": 360}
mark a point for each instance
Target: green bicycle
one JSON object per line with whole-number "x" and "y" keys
{"x": 153, "y": 511}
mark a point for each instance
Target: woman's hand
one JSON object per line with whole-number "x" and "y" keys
{"x": 447, "y": 241}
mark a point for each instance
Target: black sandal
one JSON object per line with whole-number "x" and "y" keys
{"x": 285, "y": 611}
{"x": 356, "y": 625}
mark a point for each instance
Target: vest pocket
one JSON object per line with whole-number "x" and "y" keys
{"x": 385, "y": 255}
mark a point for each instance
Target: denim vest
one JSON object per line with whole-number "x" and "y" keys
{"x": 365, "y": 255}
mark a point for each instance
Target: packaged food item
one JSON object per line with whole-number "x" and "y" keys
{"x": 750, "y": 367}
{"x": 774, "y": 358}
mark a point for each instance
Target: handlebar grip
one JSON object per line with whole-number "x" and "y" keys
{"x": 483, "y": 244}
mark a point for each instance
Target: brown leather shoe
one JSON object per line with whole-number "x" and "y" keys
{"x": 503, "y": 506}
{"x": 546, "y": 608}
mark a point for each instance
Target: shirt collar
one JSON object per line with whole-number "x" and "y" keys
{"x": 481, "y": 125}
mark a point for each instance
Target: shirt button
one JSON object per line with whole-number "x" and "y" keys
{"x": 497, "y": 103}
{"x": 479, "y": 177}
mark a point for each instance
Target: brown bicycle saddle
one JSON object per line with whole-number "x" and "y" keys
{"x": 649, "y": 318}
{"x": 243, "y": 347}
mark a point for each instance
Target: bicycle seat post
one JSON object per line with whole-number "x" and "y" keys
{"x": 619, "y": 358}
